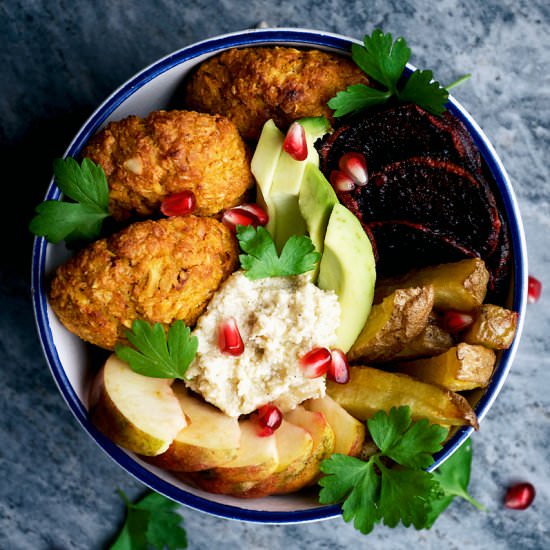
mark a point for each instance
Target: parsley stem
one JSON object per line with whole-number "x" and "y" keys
{"x": 458, "y": 81}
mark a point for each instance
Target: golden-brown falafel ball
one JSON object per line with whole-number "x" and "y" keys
{"x": 252, "y": 85}
{"x": 159, "y": 271}
{"x": 147, "y": 159}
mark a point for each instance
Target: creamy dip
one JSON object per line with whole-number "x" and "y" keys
{"x": 280, "y": 319}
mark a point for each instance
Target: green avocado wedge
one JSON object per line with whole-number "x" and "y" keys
{"x": 316, "y": 201}
{"x": 348, "y": 267}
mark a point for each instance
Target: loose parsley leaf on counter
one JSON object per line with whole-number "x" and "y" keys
{"x": 384, "y": 61}
{"x": 261, "y": 259}
{"x": 86, "y": 184}
{"x": 372, "y": 490}
{"x": 151, "y": 523}
{"x": 156, "y": 354}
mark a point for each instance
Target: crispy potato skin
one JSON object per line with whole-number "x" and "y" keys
{"x": 147, "y": 159}
{"x": 253, "y": 85}
{"x": 159, "y": 271}
{"x": 392, "y": 324}
{"x": 494, "y": 327}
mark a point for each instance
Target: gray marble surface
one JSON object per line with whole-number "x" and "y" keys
{"x": 59, "y": 59}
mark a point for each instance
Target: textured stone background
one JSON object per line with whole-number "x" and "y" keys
{"x": 59, "y": 59}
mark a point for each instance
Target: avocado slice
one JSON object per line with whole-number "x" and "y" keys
{"x": 263, "y": 166}
{"x": 287, "y": 181}
{"x": 348, "y": 267}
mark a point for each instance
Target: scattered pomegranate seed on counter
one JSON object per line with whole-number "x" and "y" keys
{"x": 316, "y": 362}
{"x": 338, "y": 370}
{"x": 295, "y": 143}
{"x": 229, "y": 337}
{"x": 456, "y": 321}
{"x": 178, "y": 204}
{"x": 534, "y": 289}
{"x": 354, "y": 165}
{"x": 269, "y": 418}
{"x": 239, "y": 216}
{"x": 519, "y": 496}
{"x": 341, "y": 181}
{"x": 257, "y": 211}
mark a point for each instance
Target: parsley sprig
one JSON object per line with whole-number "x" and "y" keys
{"x": 392, "y": 485}
{"x": 261, "y": 259}
{"x": 384, "y": 61}
{"x": 152, "y": 522}
{"x": 156, "y": 353}
{"x": 86, "y": 184}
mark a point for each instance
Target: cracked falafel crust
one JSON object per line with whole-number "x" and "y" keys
{"x": 158, "y": 271}
{"x": 252, "y": 85}
{"x": 167, "y": 152}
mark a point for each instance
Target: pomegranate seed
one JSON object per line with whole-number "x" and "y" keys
{"x": 519, "y": 496}
{"x": 341, "y": 181}
{"x": 354, "y": 165}
{"x": 316, "y": 362}
{"x": 338, "y": 369}
{"x": 534, "y": 289}
{"x": 239, "y": 216}
{"x": 178, "y": 204}
{"x": 295, "y": 143}
{"x": 257, "y": 211}
{"x": 456, "y": 321}
{"x": 269, "y": 418}
{"x": 229, "y": 337}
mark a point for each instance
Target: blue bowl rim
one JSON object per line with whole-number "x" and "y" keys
{"x": 309, "y": 38}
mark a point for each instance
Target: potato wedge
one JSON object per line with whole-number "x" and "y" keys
{"x": 463, "y": 367}
{"x": 393, "y": 323}
{"x": 458, "y": 285}
{"x": 494, "y": 327}
{"x": 433, "y": 340}
{"x": 370, "y": 390}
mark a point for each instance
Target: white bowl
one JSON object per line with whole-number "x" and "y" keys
{"x": 69, "y": 358}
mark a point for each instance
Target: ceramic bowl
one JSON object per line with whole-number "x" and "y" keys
{"x": 69, "y": 358}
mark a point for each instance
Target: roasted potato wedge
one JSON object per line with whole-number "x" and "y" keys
{"x": 400, "y": 317}
{"x": 433, "y": 340}
{"x": 463, "y": 367}
{"x": 458, "y": 285}
{"x": 494, "y": 327}
{"x": 370, "y": 390}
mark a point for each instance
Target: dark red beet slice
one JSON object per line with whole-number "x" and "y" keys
{"x": 395, "y": 134}
{"x": 436, "y": 194}
{"x": 499, "y": 266}
{"x": 403, "y": 246}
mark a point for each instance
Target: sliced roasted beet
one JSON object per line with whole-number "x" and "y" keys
{"x": 498, "y": 264}
{"x": 403, "y": 246}
{"x": 436, "y": 194}
{"x": 390, "y": 135}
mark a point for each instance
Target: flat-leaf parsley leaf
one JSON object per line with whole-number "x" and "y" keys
{"x": 261, "y": 259}
{"x": 152, "y": 522}
{"x": 86, "y": 184}
{"x": 157, "y": 354}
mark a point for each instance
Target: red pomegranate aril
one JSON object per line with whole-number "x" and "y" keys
{"x": 229, "y": 337}
{"x": 519, "y": 496}
{"x": 534, "y": 289}
{"x": 341, "y": 181}
{"x": 338, "y": 370}
{"x": 269, "y": 418}
{"x": 295, "y": 143}
{"x": 239, "y": 216}
{"x": 354, "y": 165}
{"x": 316, "y": 362}
{"x": 456, "y": 321}
{"x": 257, "y": 211}
{"x": 178, "y": 204}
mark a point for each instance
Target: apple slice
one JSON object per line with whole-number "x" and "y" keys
{"x": 294, "y": 448}
{"x": 137, "y": 412}
{"x": 323, "y": 446}
{"x": 211, "y": 438}
{"x": 349, "y": 433}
